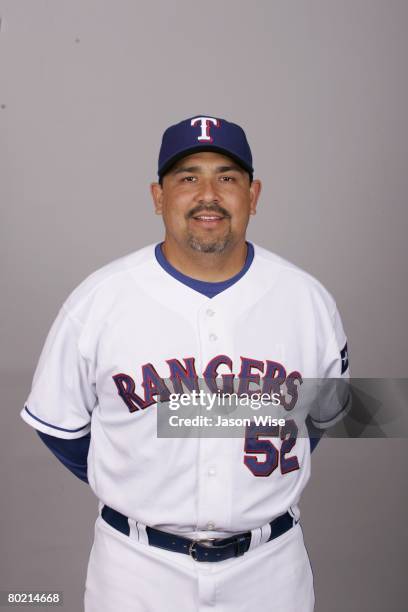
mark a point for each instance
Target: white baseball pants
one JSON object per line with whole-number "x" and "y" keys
{"x": 126, "y": 575}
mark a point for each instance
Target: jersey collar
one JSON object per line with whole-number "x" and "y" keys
{"x": 209, "y": 289}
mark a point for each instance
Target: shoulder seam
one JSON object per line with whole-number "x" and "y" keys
{"x": 102, "y": 281}
{"x": 72, "y": 317}
{"x": 295, "y": 269}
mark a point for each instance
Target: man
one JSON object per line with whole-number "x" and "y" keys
{"x": 204, "y": 304}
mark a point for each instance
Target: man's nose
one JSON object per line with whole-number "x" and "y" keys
{"x": 208, "y": 191}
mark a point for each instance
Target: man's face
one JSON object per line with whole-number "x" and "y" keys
{"x": 206, "y": 200}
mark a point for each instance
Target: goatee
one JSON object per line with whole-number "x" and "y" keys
{"x": 209, "y": 246}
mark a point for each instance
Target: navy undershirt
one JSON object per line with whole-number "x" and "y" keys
{"x": 74, "y": 453}
{"x": 210, "y": 289}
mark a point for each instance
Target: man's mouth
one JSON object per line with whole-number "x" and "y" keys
{"x": 208, "y": 217}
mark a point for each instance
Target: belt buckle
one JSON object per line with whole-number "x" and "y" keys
{"x": 204, "y": 542}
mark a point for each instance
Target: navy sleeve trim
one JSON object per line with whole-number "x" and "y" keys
{"x": 53, "y": 426}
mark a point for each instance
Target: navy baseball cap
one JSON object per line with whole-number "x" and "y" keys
{"x": 204, "y": 133}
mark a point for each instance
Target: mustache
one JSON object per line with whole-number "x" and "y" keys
{"x": 215, "y": 208}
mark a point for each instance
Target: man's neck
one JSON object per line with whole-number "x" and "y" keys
{"x": 209, "y": 267}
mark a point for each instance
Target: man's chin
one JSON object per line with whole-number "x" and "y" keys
{"x": 209, "y": 245}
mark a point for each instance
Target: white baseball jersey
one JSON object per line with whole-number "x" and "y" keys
{"x": 130, "y": 326}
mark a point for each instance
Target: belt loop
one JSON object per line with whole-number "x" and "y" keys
{"x": 133, "y": 529}
{"x": 295, "y": 514}
{"x": 259, "y": 536}
{"x": 265, "y": 533}
{"x": 142, "y": 533}
{"x": 255, "y": 538}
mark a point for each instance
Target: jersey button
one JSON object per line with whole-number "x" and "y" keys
{"x": 212, "y": 471}
{"x": 210, "y": 526}
{"x": 213, "y": 337}
{"x": 210, "y": 312}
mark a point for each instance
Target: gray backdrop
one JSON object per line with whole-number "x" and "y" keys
{"x": 86, "y": 90}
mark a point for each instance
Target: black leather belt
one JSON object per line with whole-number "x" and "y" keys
{"x": 210, "y": 549}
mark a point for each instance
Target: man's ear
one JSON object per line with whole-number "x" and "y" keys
{"x": 157, "y": 195}
{"x": 254, "y": 193}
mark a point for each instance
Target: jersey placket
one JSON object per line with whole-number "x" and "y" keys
{"x": 213, "y": 453}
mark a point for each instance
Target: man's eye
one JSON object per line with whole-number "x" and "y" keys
{"x": 227, "y": 179}
{"x": 188, "y": 179}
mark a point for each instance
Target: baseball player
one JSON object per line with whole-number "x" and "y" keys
{"x": 197, "y": 522}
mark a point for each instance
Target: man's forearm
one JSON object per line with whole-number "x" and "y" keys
{"x": 72, "y": 453}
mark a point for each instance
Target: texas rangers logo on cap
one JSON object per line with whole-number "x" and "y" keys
{"x": 205, "y": 123}
{"x": 204, "y": 133}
